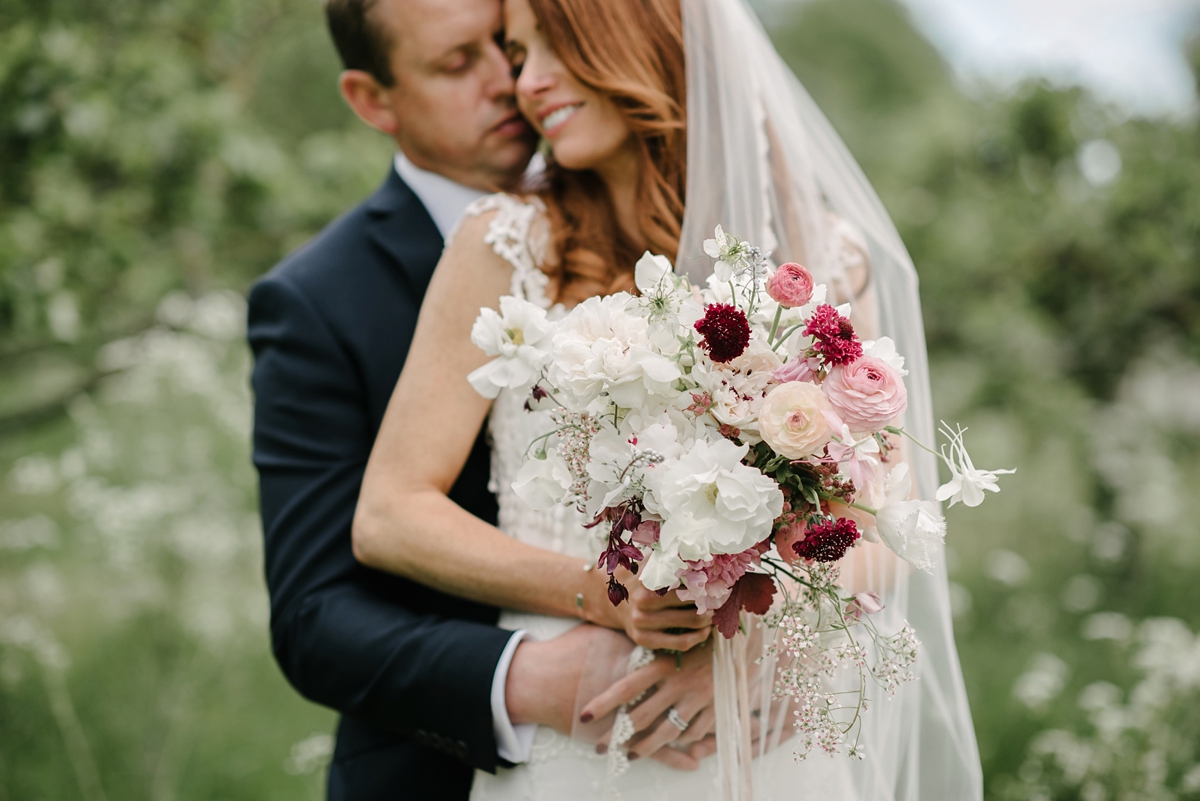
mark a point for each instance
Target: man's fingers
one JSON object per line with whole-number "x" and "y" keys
{"x": 679, "y": 760}
{"x": 703, "y": 749}
{"x": 624, "y": 690}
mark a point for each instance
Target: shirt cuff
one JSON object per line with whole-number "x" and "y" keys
{"x": 513, "y": 743}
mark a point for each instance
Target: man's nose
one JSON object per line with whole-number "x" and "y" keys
{"x": 500, "y": 85}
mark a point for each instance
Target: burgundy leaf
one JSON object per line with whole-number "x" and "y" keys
{"x": 752, "y": 592}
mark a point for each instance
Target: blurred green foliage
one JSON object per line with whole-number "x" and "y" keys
{"x": 155, "y": 154}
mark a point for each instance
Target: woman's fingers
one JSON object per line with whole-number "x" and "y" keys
{"x": 624, "y": 690}
{"x": 664, "y": 641}
{"x": 700, "y": 727}
{"x": 650, "y": 600}
{"x": 663, "y": 619}
{"x": 703, "y": 749}
{"x": 664, "y": 731}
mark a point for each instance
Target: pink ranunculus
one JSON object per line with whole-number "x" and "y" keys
{"x": 798, "y": 369}
{"x": 708, "y": 583}
{"x": 868, "y": 393}
{"x": 791, "y": 286}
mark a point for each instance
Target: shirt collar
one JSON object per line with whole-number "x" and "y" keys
{"x": 444, "y": 199}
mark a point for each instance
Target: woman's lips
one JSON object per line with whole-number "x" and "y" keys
{"x": 558, "y": 117}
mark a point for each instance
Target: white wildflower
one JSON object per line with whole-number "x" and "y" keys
{"x": 966, "y": 484}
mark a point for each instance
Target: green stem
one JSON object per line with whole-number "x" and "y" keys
{"x": 786, "y": 334}
{"x": 775, "y": 325}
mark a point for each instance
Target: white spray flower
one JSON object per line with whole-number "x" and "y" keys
{"x": 967, "y": 483}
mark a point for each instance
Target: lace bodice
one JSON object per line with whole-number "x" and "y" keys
{"x": 519, "y": 233}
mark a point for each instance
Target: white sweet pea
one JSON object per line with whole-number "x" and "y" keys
{"x": 967, "y": 483}
{"x": 914, "y": 530}
{"x": 542, "y": 483}
{"x": 652, "y": 275}
{"x": 519, "y": 337}
{"x": 661, "y": 570}
{"x": 711, "y": 503}
{"x": 884, "y": 349}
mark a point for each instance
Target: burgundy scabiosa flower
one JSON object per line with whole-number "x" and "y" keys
{"x": 828, "y": 540}
{"x": 725, "y": 330}
{"x": 833, "y": 336}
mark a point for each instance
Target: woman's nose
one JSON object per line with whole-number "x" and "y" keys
{"x": 536, "y": 77}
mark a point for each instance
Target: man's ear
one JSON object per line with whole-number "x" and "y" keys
{"x": 369, "y": 99}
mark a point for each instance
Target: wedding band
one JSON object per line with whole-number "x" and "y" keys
{"x": 676, "y": 719}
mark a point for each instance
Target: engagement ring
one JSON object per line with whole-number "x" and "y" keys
{"x": 676, "y": 719}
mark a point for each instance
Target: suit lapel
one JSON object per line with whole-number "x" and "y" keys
{"x": 400, "y": 225}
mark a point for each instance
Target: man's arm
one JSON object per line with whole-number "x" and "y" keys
{"x": 338, "y": 637}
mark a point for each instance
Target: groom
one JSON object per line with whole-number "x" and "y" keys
{"x": 428, "y": 686}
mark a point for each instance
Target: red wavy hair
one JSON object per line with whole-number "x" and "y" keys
{"x": 630, "y": 51}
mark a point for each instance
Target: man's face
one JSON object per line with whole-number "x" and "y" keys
{"x": 453, "y": 93}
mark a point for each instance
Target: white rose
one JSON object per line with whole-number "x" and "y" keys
{"x": 792, "y": 419}
{"x": 711, "y": 503}
{"x": 519, "y": 337}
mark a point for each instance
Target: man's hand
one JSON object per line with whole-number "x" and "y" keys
{"x": 543, "y": 678}
{"x": 687, "y": 686}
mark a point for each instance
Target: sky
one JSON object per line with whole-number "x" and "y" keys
{"x": 1127, "y": 51}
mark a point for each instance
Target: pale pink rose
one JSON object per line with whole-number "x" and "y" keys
{"x": 868, "y": 393}
{"x": 798, "y": 369}
{"x": 791, "y": 286}
{"x": 792, "y": 420}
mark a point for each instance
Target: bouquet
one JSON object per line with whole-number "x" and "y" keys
{"x": 732, "y": 443}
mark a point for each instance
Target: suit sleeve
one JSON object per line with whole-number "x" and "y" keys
{"x": 340, "y": 639}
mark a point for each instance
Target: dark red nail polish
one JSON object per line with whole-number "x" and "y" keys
{"x": 601, "y": 748}
{"x": 586, "y": 717}
{"x": 632, "y": 757}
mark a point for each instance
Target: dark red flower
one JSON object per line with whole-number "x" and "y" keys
{"x": 833, "y": 336}
{"x": 828, "y": 540}
{"x": 725, "y": 330}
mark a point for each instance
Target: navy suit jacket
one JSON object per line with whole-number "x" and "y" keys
{"x": 410, "y": 669}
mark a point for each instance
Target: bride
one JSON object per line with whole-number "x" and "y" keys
{"x": 663, "y": 118}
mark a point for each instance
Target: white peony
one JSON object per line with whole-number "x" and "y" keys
{"x": 737, "y": 387}
{"x": 914, "y": 530}
{"x": 711, "y": 503}
{"x": 600, "y": 347}
{"x": 519, "y": 337}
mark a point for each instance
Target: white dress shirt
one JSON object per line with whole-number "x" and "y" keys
{"x": 446, "y": 201}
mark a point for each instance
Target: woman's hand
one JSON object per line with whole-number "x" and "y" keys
{"x": 685, "y": 685}
{"x": 658, "y": 622}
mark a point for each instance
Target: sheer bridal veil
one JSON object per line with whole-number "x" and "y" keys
{"x": 765, "y": 163}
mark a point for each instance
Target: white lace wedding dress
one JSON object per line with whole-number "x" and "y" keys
{"x": 563, "y": 769}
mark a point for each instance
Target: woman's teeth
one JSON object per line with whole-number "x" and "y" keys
{"x": 559, "y": 116}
